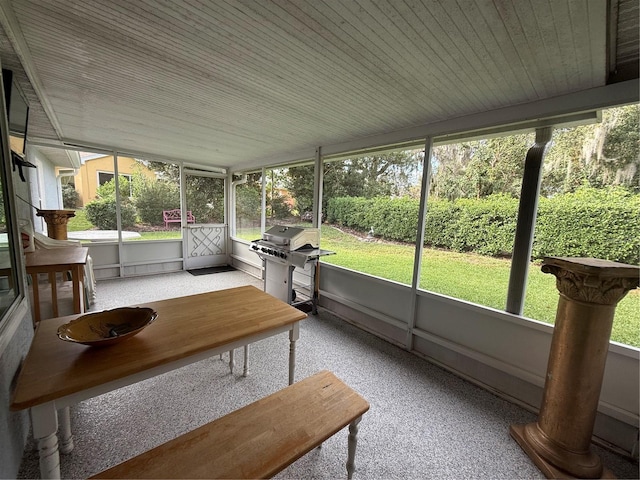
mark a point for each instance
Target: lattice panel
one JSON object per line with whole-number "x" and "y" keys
{"x": 206, "y": 240}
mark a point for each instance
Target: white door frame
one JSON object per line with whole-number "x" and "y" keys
{"x": 203, "y": 244}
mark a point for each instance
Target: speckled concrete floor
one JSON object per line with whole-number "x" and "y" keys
{"x": 423, "y": 422}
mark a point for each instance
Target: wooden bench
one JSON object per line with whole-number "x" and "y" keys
{"x": 259, "y": 440}
{"x": 175, "y": 216}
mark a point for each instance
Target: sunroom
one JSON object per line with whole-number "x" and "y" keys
{"x": 378, "y": 123}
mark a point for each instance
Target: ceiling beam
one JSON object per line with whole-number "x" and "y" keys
{"x": 513, "y": 117}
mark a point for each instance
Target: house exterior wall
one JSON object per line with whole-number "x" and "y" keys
{"x": 86, "y": 181}
{"x": 49, "y": 194}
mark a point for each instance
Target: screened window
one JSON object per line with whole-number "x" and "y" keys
{"x": 289, "y": 195}
{"x": 248, "y": 206}
{"x": 370, "y": 209}
{"x": 147, "y": 189}
{"x": 155, "y": 189}
{"x": 589, "y": 207}
{"x": 471, "y": 218}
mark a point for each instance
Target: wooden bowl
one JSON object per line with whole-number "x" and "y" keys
{"x": 107, "y": 327}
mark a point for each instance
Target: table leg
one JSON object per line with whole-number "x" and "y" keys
{"x": 294, "y": 334}
{"x": 44, "y": 420}
{"x": 66, "y": 437}
{"x": 36, "y": 296}
{"x": 232, "y": 361}
{"x": 352, "y": 443}
{"x": 245, "y": 370}
{"x": 54, "y": 293}
{"x": 77, "y": 291}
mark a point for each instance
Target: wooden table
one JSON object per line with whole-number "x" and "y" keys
{"x": 57, "y": 374}
{"x": 52, "y": 261}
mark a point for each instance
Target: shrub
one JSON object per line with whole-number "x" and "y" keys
{"x": 440, "y": 224}
{"x": 108, "y": 189}
{"x": 102, "y": 214}
{"x": 486, "y": 226}
{"x": 598, "y": 223}
{"x": 70, "y": 196}
{"x": 153, "y": 198}
{"x": 394, "y": 218}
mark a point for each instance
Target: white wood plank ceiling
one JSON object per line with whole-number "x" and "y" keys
{"x": 235, "y": 82}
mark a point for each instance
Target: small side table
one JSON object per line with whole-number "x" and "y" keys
{"x": 52, "y": 261}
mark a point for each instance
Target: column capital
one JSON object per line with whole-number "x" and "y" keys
{"x": 56, "y": 217}
{"x": 592, "y": 280}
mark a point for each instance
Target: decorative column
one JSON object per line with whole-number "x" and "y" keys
{"x": 559, "y": 442}
{"x": 56, "y": 221}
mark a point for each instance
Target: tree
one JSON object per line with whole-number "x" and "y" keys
{"x": 299, "y": 182}
{"x": 249, "y": 201}
{"x": 388, "y": 174}
{"x": 621, "y": 147}
{"x": 596, "y": 155}
{"x": 480, "y": 168}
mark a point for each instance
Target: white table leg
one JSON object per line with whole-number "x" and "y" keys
{"x": 232, "y": 362}
{"x": 294, "y": 335}
{"x": 352, "y": 443}
{"x": 44, "y": 420}
{"x": 245, "y": 370}
{"x": 66, "y": 437}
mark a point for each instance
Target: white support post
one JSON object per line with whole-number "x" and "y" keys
{"x": 417, "y": 262}
{"x": 318, "y": 175}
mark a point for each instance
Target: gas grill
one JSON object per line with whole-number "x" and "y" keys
{"x": 290, "y": 257}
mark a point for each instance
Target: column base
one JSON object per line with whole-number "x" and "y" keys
{"x": 547, "y": 468}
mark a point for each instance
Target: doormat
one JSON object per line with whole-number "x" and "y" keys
{"x": 305, "y": 307}
{"x": 209, "y": 270}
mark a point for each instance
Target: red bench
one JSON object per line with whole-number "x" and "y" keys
{"x": 175, "y": 216}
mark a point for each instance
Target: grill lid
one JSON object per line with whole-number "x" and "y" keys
{"x": 292, "y": 238}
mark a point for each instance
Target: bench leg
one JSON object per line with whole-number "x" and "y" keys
{"x": 245, "y": 370}
{"x": 352, "y": 442}
{"x": 294, "y": 335}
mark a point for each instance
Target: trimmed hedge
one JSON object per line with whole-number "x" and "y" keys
{"x": 590, "y": 223}
{"x": 599, "y": 223}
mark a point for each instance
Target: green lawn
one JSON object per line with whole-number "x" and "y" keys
{"x": 475, "y": 278}
{"x": 80, "y": 222}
